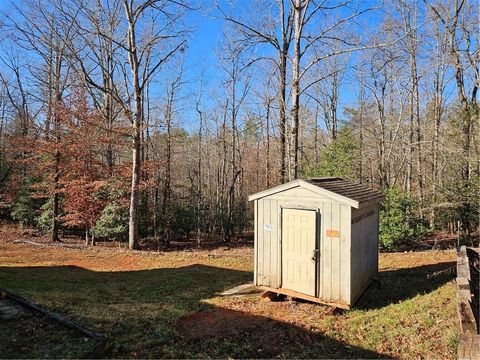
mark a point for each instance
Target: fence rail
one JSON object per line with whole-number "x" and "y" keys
{"x": 469, "y": 340}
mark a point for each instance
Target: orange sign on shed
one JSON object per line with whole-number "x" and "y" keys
{"x": 333, "y": 233}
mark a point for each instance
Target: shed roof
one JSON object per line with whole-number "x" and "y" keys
{"x": 355, "y": 194}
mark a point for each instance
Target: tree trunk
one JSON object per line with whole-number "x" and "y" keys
{"x": 55, "y": 200}
{"x": 199, "y": 180}
{"x": 135, "y": 192}
{"x": 56, "y": 166}
{"x": 296, "y": 85}
{"x": 361, "y": 101}
{"x": 155, "y": 210}
{"x": 283, "y": 116}
{"x": 411, "y": 146}
{"x": 168, "y": 174}
{"x": 267, "y": 155}
{"x": 137, "y": 122}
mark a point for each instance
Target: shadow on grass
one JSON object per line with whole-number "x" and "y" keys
{"x": 162, "y": 313}
{"x": 249, "y": 336}
{"x": 403, "y": 284}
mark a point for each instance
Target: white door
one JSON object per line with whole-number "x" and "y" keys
{"x": 298, "y": 250}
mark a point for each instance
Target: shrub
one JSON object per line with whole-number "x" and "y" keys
{"x": 113, "y": 222}
{"x": 338, "y": 158}
{"x": 400, "y": 224}
{"x": 22, "y": 209}
{"x": 25, "y": 206}
{"x": 184, "y": 220}
{"x": 44, "y": 220}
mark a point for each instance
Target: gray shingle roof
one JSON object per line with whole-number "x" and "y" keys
{"x": 352, "y": 190}
{"x": 355, "y": 194}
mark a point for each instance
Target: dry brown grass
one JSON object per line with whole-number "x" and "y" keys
{"x": 144, "y": 302}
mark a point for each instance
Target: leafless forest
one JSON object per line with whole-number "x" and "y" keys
{"x": 111, "y": 125}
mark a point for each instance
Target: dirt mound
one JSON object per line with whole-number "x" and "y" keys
{"x": 219, "y": 322}
{"x": 267, "y": 335}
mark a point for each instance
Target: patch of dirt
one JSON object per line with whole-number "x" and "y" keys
{"x": 218, "y": 322}
{"x": 269, "y": 336}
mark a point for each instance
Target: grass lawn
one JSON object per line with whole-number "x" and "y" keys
{"x": 167, "y": 305}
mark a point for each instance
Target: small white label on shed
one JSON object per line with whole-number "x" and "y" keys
{"x": 268, "y": 227}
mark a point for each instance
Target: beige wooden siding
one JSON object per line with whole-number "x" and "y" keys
{"x": 255, "y": 241}
{"x": 345, "y": 213}
{"x": 335, "y": 252}
{"x": 267, "y": 243}
{"x": 364, "y": 258}
{"x": 334, "y": 268}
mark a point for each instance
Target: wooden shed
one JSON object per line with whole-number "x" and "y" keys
{"x": 317, "y": 239}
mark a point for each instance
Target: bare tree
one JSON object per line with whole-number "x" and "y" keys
{"x": 35, "y": 29}
{"x": 235, "y": 64}
{"x": 410, "y": 18}
{"x": 172, "y": 95}
{"x": 439, "y": 66}
{"x": 144, "y": 55}
{"x": 463, "y": 46}
{"x": 321, "y": 45}
{"x": 277, "y": 34}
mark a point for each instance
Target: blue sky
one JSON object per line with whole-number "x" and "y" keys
{"x": 202, "y": 54}
{"x": 208, "y": 33}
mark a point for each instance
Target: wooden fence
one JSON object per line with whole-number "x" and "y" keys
{"x": 469, "y": 340}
